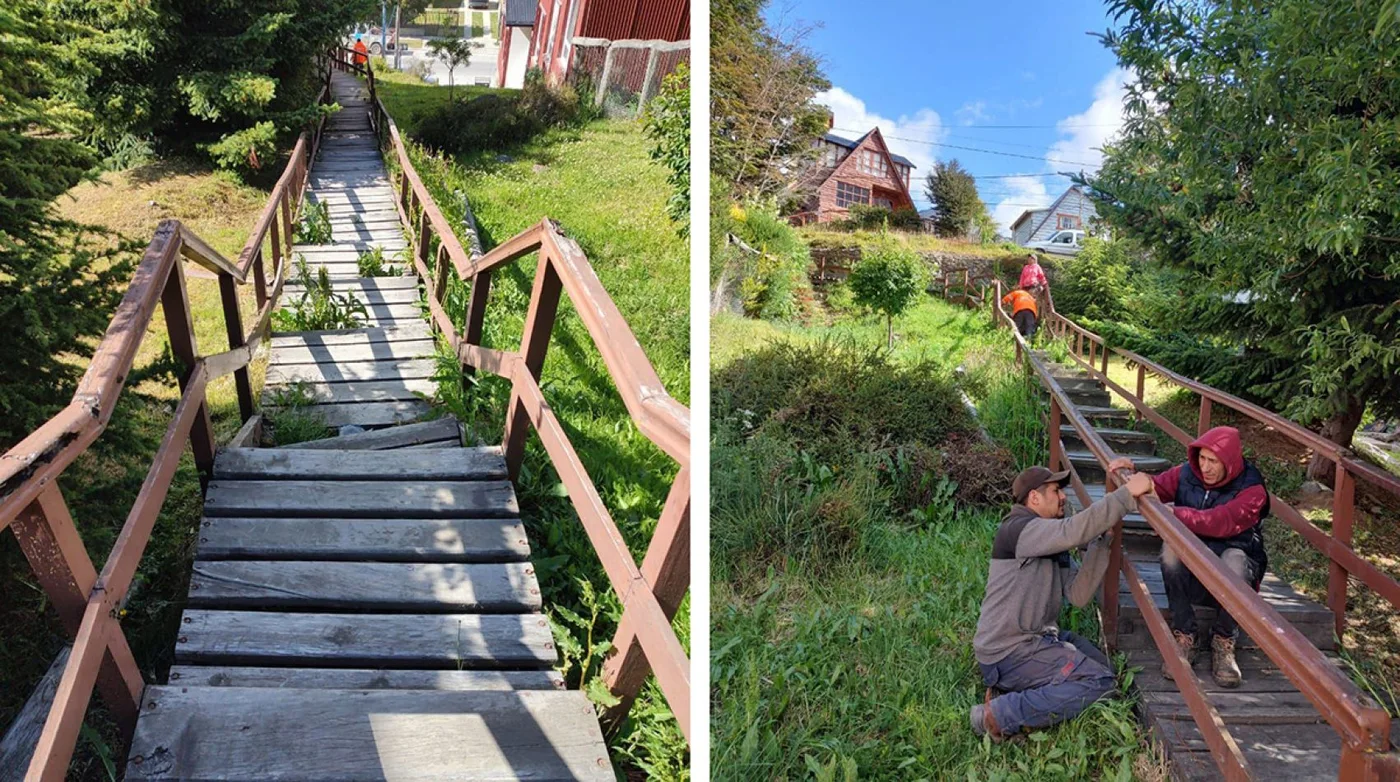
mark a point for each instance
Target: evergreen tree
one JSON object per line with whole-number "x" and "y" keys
{"x": 956, "y": 204}
{"x": 56, "y": 289}
{"x": 1259, "y": 157}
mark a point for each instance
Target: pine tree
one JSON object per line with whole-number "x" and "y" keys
{"x": 956, "y": 204}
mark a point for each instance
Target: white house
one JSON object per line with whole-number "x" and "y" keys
{"x": 1073, "y": 210}
{"x": 517, "y": 28}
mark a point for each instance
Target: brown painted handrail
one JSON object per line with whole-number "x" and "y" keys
{"x": 31, "y": 502}
{"x": 650, "y": 594}
{"x": 1363, "y": 726}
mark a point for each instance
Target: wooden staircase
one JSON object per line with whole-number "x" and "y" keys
{"x": 1281, "y": 733}
{"x": 363, "y": 607}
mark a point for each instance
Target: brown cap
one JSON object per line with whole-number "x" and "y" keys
{"x": 1033, "y": 478}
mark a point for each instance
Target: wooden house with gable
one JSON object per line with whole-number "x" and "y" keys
{"x": 850, "y": 172}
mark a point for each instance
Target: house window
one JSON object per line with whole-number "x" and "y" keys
{"x": 1067, "y": 222}
{"x": 872, "y": 163}
{"x": 885, "y": 202}
{"x": 847, "y": 194}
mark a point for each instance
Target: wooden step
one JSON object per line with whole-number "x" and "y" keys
{"x": 363, "y": 679}
{"x": 356, "y": 391}
{"x": 402, "y": 350}
{"x": 364, "y": 540}
{"x": 427, "y": 433}
{"x": 235, "y": 733}
{"x": 1090, "y": 470}
{"x": 1259, "y": 673}
{"x": 268, "y": 464}
{"x": 339, "y": 371}
{"x": 491, "y": 587}
{"x": 1123, "y": 441}
{"x": 365, "y": 290}
{"x": 423, "y": 641}
{"x": 360, "y": 336}
{"x": 366, "y": 414}
{"x": 361, "y": 500}
{"x": 1103, "y": 414}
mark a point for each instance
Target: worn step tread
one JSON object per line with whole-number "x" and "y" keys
{"x": 364, "y": 540}
{"x": 408, "y": 435}
{"x": 422, "y": 587}
{"x": 1143, "y": 462}
{"x": 440, "y": 641}
{"x": 341, "y": 371}
{"x": 311, "y": 735}
{"x": 404, "y": 350}
{"x": 355, "y": 391}
{"x": 264, "y": 464}
{"x": 363, "y": 679}
{"x": 361, "y": 500}
{"x": 366, "y": 414}
{"x": 356, "y": 336}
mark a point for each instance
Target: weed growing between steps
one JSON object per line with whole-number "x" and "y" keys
{"x": 318, "y": 308}
{"x": 600, "y": 184}
{"x": 314, "y": 225}
{"x": 371, "y": 262}
{"x": 848, "y": 570}
{"x": 290, "y": 419}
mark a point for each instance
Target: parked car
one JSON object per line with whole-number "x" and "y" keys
{"x": 372, "y": 36}
{"x": 1060, "y": 243}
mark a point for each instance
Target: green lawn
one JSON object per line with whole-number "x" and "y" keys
{"x": 600, "y": 185}
{"x": 858, "y": 662}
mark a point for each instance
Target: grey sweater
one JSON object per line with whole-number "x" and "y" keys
{"x": 1031, "y": 573}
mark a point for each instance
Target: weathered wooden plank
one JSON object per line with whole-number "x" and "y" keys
{"x": 381, "y": 540}
{"x": 337, "y": 371}
{"x": 1260, "y": 674}
{"x": 439, "y": 444}
{"x": 1133, "y": 635}
{"x": 361, "y": 500}
{"x": 365, "y": 640}
{"x": 463, "y": 464}
{"x": 348, "y": 354}
{"x": 361, "y": 336}
{"x": 1274, "y": 752}
{"x": 367, "y": 292}
{"x": 369, "y": 414}
{"x": 365, "y": 391}
{"x": 22, "y": 734}
{"x": 438, "y": 430}
{"x": 333, "y": 735}
{"x": 423, "y": 587}
{"x": 344, "y": 245}
{"x": 1236, "y": 707}
{"x": 363, "y": 679}
{"x": 371, "y": 285}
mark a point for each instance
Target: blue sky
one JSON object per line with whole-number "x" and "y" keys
{"x": 957, "y": 73}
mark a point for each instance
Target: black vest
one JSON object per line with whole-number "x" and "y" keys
{"x": 1191, "y": 492}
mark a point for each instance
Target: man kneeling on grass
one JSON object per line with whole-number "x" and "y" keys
{"x": 1049, "y": 675}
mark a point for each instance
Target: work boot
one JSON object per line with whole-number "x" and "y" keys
{"x": 1222, "y": 661}
{"x": 1185, "y": 648}
{"x": 983, "y": 723}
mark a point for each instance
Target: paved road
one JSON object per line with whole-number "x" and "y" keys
{"x": 481, "y": 68}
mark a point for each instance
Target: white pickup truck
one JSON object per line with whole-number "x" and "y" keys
{"x": 1060, "y": 243}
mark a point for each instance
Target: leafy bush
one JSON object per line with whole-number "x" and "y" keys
{"x": 247, "y": 150}
{"x": 500, "y": 120}
{"x": 1095, "y": 284}
{"x": 314, "y": 225}
{"x": 773, "y": 279}
{"x": 371, "y": 263}
{"x": 888, "y": 279}
{"x": 837, "y": 401}
{"x": 667, "y": 122}
{"x": 318, "y": 309}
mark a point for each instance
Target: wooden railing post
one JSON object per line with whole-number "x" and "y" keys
{"x": 289, "y": 233}
{"x": 50, "y": 541}
{"x": 179, "y": 325}
{"x": 259, "y": 278}
{"x": 539, "y": 322}
{"x": 1105, "y": 359}
{"x": 233, "y": 323}
{"x": 1203, "y": 421}
{"x": 666, "y": 569}
{"x": 476, "y": 314}
{"x": 1343, "y": 513}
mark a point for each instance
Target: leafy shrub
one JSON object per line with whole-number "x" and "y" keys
{"x": 499, "y": 120}
{"x": 314, "y": 225}
{"x": 888, "y": 279}
{"x": 129, "y": 151}
{"x": 371, "y": 263}
{"x": 1095, "y": 284}
{"x": 318, "y": 309}
{"x": 838, "y": 401}
{"x": 667, "y": 122}
{"x": 247, "y": 150}
{"x": 772, "y": 279}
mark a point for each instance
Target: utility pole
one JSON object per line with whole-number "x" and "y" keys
{"x": 398, "y": 39}
{"x": 383, "y": 28}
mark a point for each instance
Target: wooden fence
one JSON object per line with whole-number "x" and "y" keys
{"x": 650, "y": 595}
{"x": 1363, "y": 726}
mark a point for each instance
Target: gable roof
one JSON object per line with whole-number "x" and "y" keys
{"x": 1026, "y": 215}
{"x": 848, "y": 144}
{"x": 518, "y": 13}
{"x": 1050, "y": 210}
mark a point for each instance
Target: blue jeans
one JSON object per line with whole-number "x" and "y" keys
{"x": 1048, "y": 681}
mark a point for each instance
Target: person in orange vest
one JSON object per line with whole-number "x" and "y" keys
{"x": 361, "y": 53}
{"x": 1023, "y": 311}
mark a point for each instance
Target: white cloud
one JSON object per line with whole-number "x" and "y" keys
{"x": 911, "y": 135}
{"x": 973, "y": 112}
{"x": 1083, "y": 138}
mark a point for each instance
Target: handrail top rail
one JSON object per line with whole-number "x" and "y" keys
{"x": 662, "y": 419}
{"x": 1336, "y": 697}
{"x": 1290, "y": 428}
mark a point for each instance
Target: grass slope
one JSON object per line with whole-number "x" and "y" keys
{"x": 102, "y": 484}
{"x": 860, "y": 664}
{"x": 600, "y": 185}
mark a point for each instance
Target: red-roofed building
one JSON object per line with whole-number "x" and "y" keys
{"x": 559, "y": 22}
{"x": 861, "y": 171}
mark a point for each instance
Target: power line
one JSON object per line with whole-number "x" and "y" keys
{"x": 977, "y": 149}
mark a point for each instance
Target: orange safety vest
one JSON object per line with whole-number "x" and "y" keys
{"x": 361, "y": 53}
{"x": 1020, "y": 300}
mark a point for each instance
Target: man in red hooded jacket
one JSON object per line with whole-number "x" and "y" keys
{"x": 1222, "y": 498}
